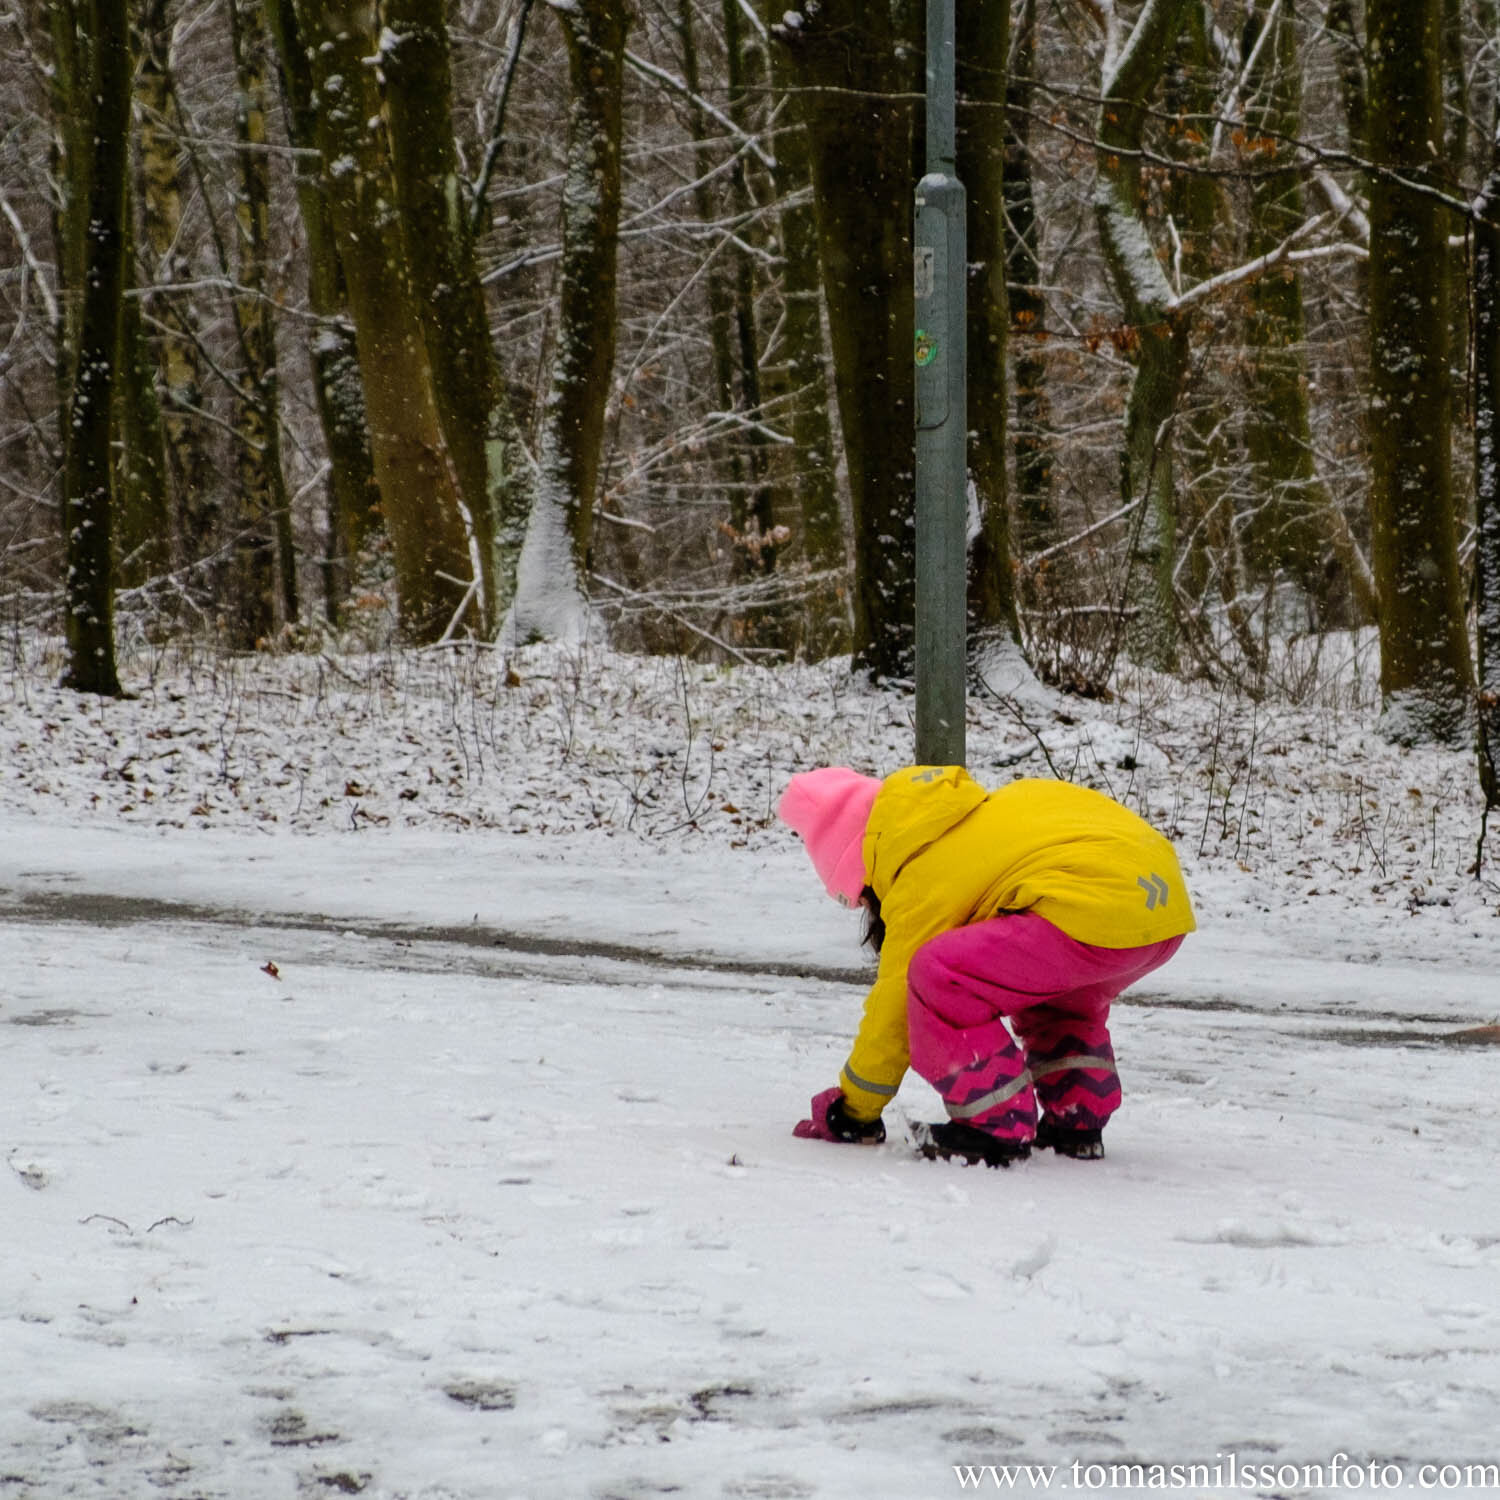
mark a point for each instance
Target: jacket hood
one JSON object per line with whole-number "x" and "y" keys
{"x": 915, "y": 806}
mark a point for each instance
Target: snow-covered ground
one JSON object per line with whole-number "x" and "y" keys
{"x": 399, "y": 1067}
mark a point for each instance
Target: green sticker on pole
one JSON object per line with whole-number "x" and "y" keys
{"x": 926, "y": 349}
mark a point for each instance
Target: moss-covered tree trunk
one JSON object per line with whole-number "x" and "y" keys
{"x": 753, "y": 515}
{"x": 1424, "y": 657}
{"x": 1457, "y": 169}
{"x": 1289, "y": 520}
{"x": 263, "y": 572}
{"x": 431, "y": 542}
{"x": 853, "y": 67}
{"x": 982, "y": 43}
{"x": 1354, "y": 87}
{"x": 1205, "y": 502}
{"x": 1035, "y": 509}
{"x": 1155, "y": 338}
{"x": 352, "y": 496}
{"x": 718, "y": 288}
{"x": 552, "y": 580}
{"x": 190, "y": 464}
{"x": 1487, "y": 481}
{"x": 477, "y": 419}
{"x": 91, "y": 90}
{"x": 143, "y": 522}
{"x": 813, "y": 489}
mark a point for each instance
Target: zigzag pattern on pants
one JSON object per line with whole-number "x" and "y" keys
{"x": 1076, "y": 1082}
{"x": 993, "y": 1095}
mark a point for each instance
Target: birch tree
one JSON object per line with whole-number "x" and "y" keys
{"x": 1424, "y": 656}
{"x": 552, "y": 578}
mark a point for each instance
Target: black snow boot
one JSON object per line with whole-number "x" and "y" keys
{"x": 1081, "y": 1143}
{"x": 952, "y": 1138}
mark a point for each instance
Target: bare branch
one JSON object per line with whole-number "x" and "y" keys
{"x": 1250, "y": 271}
{"x": 28, "y": 258}
{"x": 660, "y": 75}
{"x": 479, "y": 206}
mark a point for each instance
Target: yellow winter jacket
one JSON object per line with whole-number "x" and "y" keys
{"x": 939, "y": 853}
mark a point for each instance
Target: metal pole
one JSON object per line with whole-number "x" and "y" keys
{"x": 939, "y": 268}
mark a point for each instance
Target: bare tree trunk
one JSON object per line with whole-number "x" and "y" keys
{"x": 1487, "y": 480}
{"x": 1484, "y": 97}
{"x": 1291, "y": 501}
{"x": 190, "y": 467}
{"x": 1455, "y": 168}
{"x": 850, "y": 63}
{"x": 353, "y": 513}
{"x": 814, "y": 490}
{"x": 92, "y": 83}
{"x": 477, "y": 419}
{"x": 419, "y": 493}
{"x": 1353, "y": 85}
{"x": 1036, "y": 514}
{"x": 754, "y": 515}
{"x": 263, "y": 574}
{"x": 552, "y": 579}
{"x": 1205, "y": 499}
{"x": 717, "y": 287}
{"x": 143, "y": 529}
{"x": 1424, "y": 658}
{"x": 983, "y": 44}
{"x": 1156, "y": 338}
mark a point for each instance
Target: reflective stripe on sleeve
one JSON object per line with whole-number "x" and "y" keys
{"x": 883, "y": 1090}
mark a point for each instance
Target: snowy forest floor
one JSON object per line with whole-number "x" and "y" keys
{"x": 400, "y": 1058}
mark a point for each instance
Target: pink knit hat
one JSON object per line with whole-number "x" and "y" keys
{"x": 829, "y": 809}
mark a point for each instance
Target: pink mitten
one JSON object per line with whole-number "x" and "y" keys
{"x": 831, "y": 1122}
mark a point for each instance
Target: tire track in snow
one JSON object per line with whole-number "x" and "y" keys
{"x": 418, "y": 949}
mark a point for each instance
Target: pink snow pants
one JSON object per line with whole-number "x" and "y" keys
{"x": 965, "y": 984}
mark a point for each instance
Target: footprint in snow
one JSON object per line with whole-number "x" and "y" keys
{"x": 32, "y": 1174}
{"x": 482, "y": 1395}
{"x": 989, "y": 1438}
